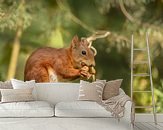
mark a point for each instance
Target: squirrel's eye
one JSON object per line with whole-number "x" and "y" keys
{"x": 84, "y": 52}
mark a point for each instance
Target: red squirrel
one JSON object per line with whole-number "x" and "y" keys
{"x": 54, "y": 65}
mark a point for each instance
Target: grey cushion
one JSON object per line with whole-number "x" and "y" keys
{"x": 5, "y": 85}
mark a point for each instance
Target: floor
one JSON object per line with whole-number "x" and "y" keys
{"x": 148, "y": 126}
{"x": 63, "y": 124}
{"x": 73, "y": 124}
{"x": 145, "y": 121}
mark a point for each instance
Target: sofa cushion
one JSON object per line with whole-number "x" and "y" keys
{"x": 26, "y": 109}
{"x": 18, "y": 84}
{"x": 80, "y": 109}
{"x": 5, "y": 85}
{"x": 111, "y": 88}
{"x": 16, "y": 95}
{"x": 91, "y": 91}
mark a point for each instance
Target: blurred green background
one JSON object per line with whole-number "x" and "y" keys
{"x": 29, "y": 24}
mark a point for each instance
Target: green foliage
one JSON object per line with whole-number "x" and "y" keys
{"x": 12, "y": 13}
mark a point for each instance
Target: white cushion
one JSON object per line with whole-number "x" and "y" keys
{"x": 18, "y": 84}
{"x": 80, "y": 109}
{"x": 26, "y": 109}
{"x": 57, "y": 92}
{"x": 16, "y": 95}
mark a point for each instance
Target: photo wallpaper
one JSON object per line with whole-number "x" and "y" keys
{"x": 69, "y": 40}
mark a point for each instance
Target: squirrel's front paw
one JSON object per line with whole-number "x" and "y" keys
{"x": 85, "y": 74}
{"x": 85, "y": 68}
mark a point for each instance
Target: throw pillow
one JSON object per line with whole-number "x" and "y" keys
{"x": 111, "y": 88}
{"x": 5, "y": 85}
{"x": 16, "y": 95}
{"x": 18, "y": 84}
{"x": 91, "y": 91}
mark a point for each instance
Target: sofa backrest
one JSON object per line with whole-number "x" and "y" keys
{"x": 57, "y": 92}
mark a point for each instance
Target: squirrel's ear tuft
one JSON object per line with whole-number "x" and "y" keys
{"x": 75, "y": 41}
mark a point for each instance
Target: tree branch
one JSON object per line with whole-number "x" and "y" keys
{"x": 73, "y": 17}
{"x": 124, "y": 11}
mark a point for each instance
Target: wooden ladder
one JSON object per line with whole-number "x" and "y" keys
{"x": 148, "y": 62}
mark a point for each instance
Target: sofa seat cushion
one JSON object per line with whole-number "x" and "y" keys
{"x": 26, "y": 109}
{"x": 80, "y": 109}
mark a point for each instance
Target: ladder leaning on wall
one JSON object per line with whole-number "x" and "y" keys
{"x": 149, "y": 74}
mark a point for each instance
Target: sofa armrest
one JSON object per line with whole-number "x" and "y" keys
{"x": 127, "y": 118}
{"x": 128, "y": 112}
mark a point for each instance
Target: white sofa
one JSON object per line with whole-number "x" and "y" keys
{"x": 70, "y": 114}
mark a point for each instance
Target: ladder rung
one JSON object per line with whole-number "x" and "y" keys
{"x": 141, "y": 62}
{"x": 142, "y": 91}
{"x": 143, "y": 106}
{"x": 140, "y": 49}
{"x": 141, "y": 74}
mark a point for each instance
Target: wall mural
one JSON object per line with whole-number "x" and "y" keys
{"x": 28, "y": 25}
{"x": 65, "y": 64}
